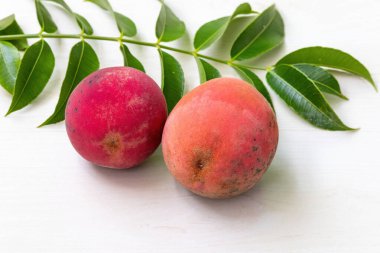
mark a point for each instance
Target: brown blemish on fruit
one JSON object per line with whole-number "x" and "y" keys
{"x": 113, "y": 145}
{"x": 93, "y": 80}
{"x": 257, "y": 171}
{"x": 230, "y": 186}
{"x": 201, "y": 161}
{"x": 255, "y": 148}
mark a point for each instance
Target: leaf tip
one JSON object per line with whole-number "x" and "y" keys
{"x": 344, "y": 97}
{"x": 347, "y": 128}
{"x": 8, "y": 113}
{"x": 46, "y": 123}
{"x": 375, "y": 86}
{"x": 353, "y": 129}
{"x": 372, "y": 82}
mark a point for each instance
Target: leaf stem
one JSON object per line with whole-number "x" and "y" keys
{"x": 130, "y": 41}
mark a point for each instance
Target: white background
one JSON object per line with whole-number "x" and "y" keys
{"x": 321, "y": 194}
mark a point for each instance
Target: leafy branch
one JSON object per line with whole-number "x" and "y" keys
{"x": 301, "y": 78}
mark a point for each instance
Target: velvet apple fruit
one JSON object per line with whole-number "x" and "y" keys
{"x": 115, "y": 117}
{"x": 220, "y": 138}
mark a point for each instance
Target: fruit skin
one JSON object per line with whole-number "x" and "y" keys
{"x": 115, "y": 117}
{"x": 220, "y": 138}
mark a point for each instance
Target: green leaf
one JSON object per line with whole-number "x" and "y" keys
{"x": 253, "y": 79}
{"x": 125, "y": 25}
{"x": 84, "y": 24}
{"x": 44, "y": 18}
{"x": 213, "y": 30}
{"x": 206, "y": 70}
{"x": 325, "y": 81}
{"x": 81, "y": 21}
{"x": 63, "y": 4}
{"x": 301, "y": 94}
{"x": 9, "y": 26}
{"x": 169, "y": 27}
{"x": 82, "y": 62}
{"x": 262, "y": 35}
{"x": 7, "y": 21}
{"x": 210, "y": 32}
{"x": 9, "y": 65}
{"x": 130, "y": 60}
{"x": 242, "y": 9}
{"x": 172, "y": 80}
{"x": 35, "y": 70}
{"x": 104, "y": 4}
{"x": 328, "y": 57}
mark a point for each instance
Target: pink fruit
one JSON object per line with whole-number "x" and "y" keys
{"x": 115, "y": 117}
{"x": 220, "y": 138}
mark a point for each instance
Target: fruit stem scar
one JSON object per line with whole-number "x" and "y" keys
{"x": 200, "y": 164}
{"x": 112, "y": 143}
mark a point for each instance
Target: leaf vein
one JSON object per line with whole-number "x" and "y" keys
{"x": 29, "y": 76}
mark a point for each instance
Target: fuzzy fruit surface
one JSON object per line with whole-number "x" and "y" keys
{"x": 115, "y": 117}
{"x": 220, "y": 138}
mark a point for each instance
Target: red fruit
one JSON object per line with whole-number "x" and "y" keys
{"x": 220, "y": 138}
{"x": 115, "y": 117}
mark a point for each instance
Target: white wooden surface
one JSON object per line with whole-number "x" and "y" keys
{"x": 321, "y": 194}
